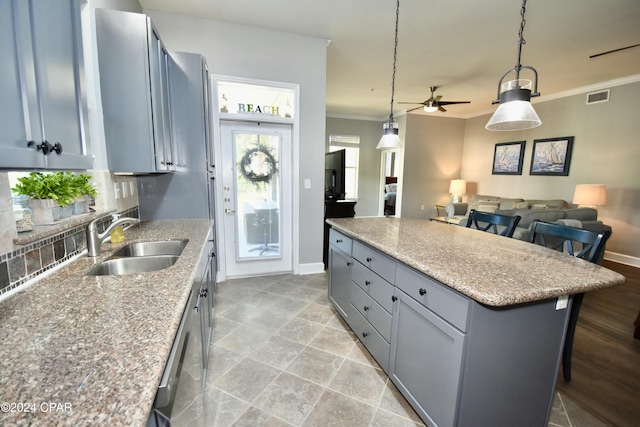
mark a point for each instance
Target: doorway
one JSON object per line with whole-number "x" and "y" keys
{"x": 256, "y": 162}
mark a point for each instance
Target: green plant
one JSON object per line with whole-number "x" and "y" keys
{"x": 83, "y": 185}
{"x": 62, "y": 187}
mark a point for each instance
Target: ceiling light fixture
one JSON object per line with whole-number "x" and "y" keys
{"x": 390, "y": 138}
{"x": 515, "y": 111}
{"x": 430, "y": 108}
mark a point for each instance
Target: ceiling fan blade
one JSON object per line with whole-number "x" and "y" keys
{"x": 453, "y": 102}
{"x": 413, "y": 109}
{"x": 421, "y": 103}
{"x": 441, "y": 108}
{"x": 437, "y": 98}
{"x": 614, "y": 50}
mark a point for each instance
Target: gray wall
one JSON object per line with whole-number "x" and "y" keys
{"x": 432, "y": 153}
{"x": 606, "y": 151}
{"x": 252, "y": 52}
{"x": 369, "y": 161}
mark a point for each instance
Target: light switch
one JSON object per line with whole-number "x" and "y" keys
{"x": 307, "y": 183}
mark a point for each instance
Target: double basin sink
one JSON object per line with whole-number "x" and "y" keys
{"x": 140, "y": 258}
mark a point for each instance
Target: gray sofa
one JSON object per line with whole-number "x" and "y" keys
{"x": 554, "y": 210}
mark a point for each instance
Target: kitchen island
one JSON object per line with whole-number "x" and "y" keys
{"x": 468, "y": 325}
{"x": 90, "y": 350}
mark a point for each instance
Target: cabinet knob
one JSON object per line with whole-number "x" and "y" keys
{"x": 366, "y": 308}
{"x": 369, "y": 259}
{"x": 46, "y": 147}
{"x": 394, "y": 298}
{"x": 365, "y": 334}
{"x": 367, "y": 282}
{"x": 338, "y": 240}
{"x": 349, "y": 263}
{"x": 422, "y": 291}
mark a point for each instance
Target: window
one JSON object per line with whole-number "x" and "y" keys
{"x": 350, "y": 143}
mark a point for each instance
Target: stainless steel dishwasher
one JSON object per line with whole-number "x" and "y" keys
{"x": 180, "y": 396}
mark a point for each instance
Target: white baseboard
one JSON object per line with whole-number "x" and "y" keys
{"x": 311, "y": 268}
{"x": 622, "y": 258}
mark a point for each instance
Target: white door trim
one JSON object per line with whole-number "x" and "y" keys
{"x": 295, "y": 172}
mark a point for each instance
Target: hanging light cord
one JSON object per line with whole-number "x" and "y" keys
{"x": 521, "y": 39}
{"x": 395, "y": 55}
{"x": 519, "y": 67}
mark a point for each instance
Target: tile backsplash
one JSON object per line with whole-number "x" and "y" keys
{"x": 24, "y": 256}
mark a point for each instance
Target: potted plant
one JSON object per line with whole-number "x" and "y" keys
{"x": 84, "y": 192}
{"x": 53, "y": 195}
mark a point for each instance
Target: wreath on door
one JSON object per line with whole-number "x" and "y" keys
{"x": 258, "y": 165}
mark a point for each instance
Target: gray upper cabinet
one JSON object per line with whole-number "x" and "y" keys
{"x": 43, "y": 112}
{"x": 134, "y": 81}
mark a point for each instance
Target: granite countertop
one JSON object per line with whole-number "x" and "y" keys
{"x": 491, "y": 269}
{"x": 95, "y": 347}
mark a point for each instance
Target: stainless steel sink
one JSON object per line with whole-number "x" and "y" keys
{"x": 131, "y": 265}
{"x": 143, "y": 249}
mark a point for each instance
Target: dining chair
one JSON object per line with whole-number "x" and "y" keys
{"x": 489, "y": 222}
{"x": 586, "y": 244}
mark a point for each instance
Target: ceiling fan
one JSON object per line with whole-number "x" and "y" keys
{"x": 433, "y": 104}
{"x": 613, "y": 51}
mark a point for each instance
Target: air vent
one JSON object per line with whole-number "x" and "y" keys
{"x": 597, "y": 97}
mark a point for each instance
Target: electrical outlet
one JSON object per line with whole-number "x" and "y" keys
{"x": 562, "y": 302}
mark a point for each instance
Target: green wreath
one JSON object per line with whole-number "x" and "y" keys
{"x": 258, "y": 165}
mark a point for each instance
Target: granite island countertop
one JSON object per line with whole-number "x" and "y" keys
{"x": 490, "y": 269}
{"x": 95, "y": 347}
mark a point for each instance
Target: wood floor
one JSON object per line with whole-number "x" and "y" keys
{"x": 606, "y": 358}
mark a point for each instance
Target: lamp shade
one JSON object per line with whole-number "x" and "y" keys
{"x": 458, "y": 186}
{"x": 390, "y": 139}
{"x": 515, "y": 112}
{"x": 590, "y": 195}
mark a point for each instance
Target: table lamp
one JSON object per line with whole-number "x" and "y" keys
{"x": 590, "y": 195}
{"x": 457, "y": 188}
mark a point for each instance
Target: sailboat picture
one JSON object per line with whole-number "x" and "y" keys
{"x": 508, "y": 157}
{"x": 551, "y": 156}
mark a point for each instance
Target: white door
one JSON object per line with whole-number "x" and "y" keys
{"x": 256, "y": 197}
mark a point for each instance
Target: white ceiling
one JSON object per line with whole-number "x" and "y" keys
{"x": 461, "y": 46}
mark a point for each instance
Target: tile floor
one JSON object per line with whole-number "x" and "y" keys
{"x": 282, "y": 356}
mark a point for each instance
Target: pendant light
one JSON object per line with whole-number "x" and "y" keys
{"x": 390, "y": 138}
{"x": 515, "y": 111}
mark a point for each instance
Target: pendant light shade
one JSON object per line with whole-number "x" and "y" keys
{"x": 390, "y": 138}
{"x": 515, "y": 111}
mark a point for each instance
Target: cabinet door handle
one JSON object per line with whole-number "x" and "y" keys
{"x": 369, "y": 259}
{"x": 338, "y": 240}
{"x": 366, "y": 308}
{"x": 349, "y": 263}
{"x": 364, "y": 334}
{"x": 367, "y": 282}
{"x": 422, "y": 291}
{"x": 394, "y": 298}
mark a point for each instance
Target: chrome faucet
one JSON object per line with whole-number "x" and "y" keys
{"x": 95, "y": 239}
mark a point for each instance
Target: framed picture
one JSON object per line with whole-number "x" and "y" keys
{"x": 508, "y": 157}
{"x": 551, "y": 156}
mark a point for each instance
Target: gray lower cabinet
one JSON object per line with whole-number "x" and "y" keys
{"x": 456, "y": 361}
{"x": 426, "y": 360}
{"x": 340, "y": 263}
{"x": 134, "y": 81}
{"x": 43, "y": 112}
